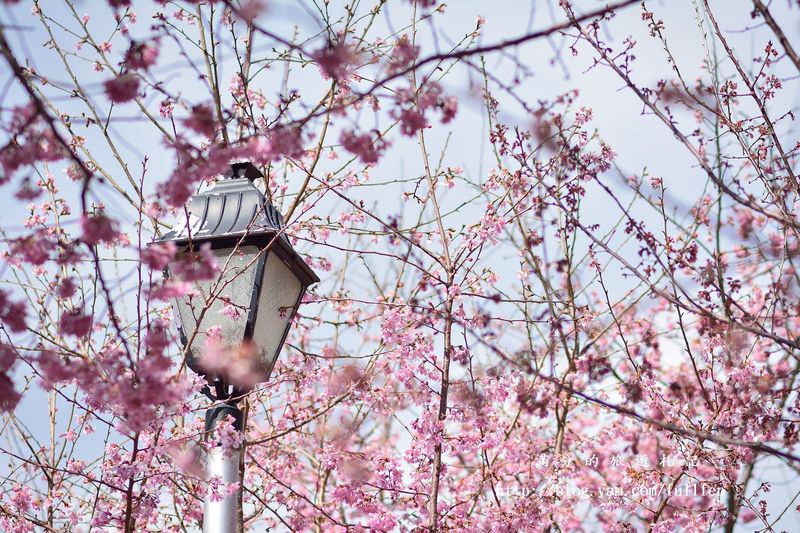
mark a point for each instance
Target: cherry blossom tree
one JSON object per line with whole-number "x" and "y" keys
{"x": 514, "y": 331}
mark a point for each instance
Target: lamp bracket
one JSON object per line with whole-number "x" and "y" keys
{"x": 218, "y": 390}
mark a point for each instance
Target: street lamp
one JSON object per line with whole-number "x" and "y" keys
{"x": 251, "y": 303}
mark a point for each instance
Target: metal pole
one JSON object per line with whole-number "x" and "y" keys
{"x": 221, "y": 514}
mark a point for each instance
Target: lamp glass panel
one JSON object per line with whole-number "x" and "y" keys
{"x": 226, "y": 300}
{"x": 280, "y": 293}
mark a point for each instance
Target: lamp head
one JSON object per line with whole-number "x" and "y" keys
{"x": 248, "y": 307}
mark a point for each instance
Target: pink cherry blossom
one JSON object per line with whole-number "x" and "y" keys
{"x": 35, "y": 249}
{"x": 403, "y": 54}
{"x": 12, "y": 313}
{"x": 367, "y": 148}
{"x": 9, "y": 397}
{"x": 123, "y": 88}
{"x": 202, "y": 121}
{"x": 157, "y": 256}
{"x": 165, "y": 109}
{"x": 76, "y": 323}
{"x": 141, "y": 55}
{"x": 411, "y": 121}
{"x": 336, "y": 60}
{"x": 98, "y": 228}
{"x": 67, "y": 288}
{"x": 449, "y": 109}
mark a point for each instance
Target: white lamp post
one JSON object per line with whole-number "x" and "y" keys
{"x": 252, "y": 302}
